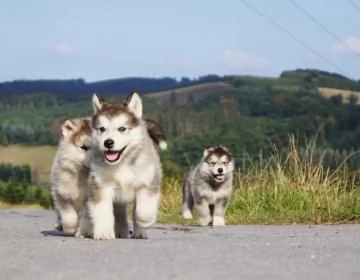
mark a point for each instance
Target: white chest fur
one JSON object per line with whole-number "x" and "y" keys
{"x": 213, "y": 196}
{"x": 125, "y": 180}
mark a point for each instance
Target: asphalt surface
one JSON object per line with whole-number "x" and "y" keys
{"x": 29, "y": 249}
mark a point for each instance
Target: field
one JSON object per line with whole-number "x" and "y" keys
{"x": 39, "y": 158}
{"x": 346, "y": 94}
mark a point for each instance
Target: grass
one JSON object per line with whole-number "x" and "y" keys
{"x": 295, "y": 189}
{"x": 4, "y": 204}
{"x": 39, "y": 158}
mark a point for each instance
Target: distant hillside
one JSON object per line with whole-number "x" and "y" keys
{"x": 170, "y": 90}
{"x": 193, "y": 93}
{"x": 78, "y": 89}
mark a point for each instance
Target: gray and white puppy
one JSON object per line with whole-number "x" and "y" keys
{"x": 208, "y": 186}
{"x": 69, "y": 174}
{"x": 125, "y": 168}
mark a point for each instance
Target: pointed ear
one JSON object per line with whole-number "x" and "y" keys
{"x": 67, "y": 128}
{"x": 97, "y": 102}
{"x": 207, "y": 151}
{"x": 229, "y": 151}
{"x": 134, "y": 104}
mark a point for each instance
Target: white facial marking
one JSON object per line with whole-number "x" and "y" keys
{"x": 116, "y": 129}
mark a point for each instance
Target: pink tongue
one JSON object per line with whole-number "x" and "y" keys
{"x": 220, "y": 177}
{"x": 111, "y": 155}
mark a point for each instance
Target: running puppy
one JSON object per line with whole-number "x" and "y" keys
{"x": 208, "y": 186}
{"x": 69, "y": 173}
{"x": 125, "y": 168}
{"x": 70, "y": 169}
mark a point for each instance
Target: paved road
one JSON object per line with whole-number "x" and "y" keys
{"x": 29, "y": 250}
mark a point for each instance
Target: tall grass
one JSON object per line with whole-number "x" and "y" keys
{"x": 295, "y": 188}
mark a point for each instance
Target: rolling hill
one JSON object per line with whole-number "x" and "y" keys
{"x": 194, "y": 93}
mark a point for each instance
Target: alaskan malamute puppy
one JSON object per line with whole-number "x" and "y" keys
{"x": 70, "y": 170}
{"x": 69, "y": 173}
{"x": 125, "y": 168}
{"x": 209, "y": 186}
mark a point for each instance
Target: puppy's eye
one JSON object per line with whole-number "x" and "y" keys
{"x": 122, "y": 129}
{"x": 212, "y": 163}
{"x": 84, "y": 147}
{"x": 102, "y": 129}
{"x": 225, "y": 163}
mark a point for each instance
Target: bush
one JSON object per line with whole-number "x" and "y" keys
{"x": 21, "y": 193}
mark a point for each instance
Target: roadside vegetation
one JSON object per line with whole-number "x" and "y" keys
{"x": 295, "y": 188}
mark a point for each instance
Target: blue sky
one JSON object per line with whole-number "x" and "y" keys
{"x": 108, "y": 39}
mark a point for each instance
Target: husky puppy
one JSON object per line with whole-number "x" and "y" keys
{"x": 69, "y": 173}
{"x": 125, "y": 168}
{"x": 70, "y": 170}
{"x": 209, "y": 186}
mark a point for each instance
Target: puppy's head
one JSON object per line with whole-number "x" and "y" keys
{"x": 218, "y": 161}
{"x": 116, "y": 126}
{"x": 76, "y": 138}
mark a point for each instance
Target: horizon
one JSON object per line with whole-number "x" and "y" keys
{"x": 176, "y": 78}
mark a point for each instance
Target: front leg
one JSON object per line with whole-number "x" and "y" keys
{"x": 101, "y": 211}
{"x": 67, "y": 214}
{"x": 121, "y": 220}
{"x": 219, "y": 212}
{"x": 85, "y": 228}
{"x": 58, "y": 226}
{"x": 145, "y": 211}
{"x": 202, "y": 207}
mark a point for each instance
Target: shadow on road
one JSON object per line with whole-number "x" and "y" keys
{"x": 53, "y": 233}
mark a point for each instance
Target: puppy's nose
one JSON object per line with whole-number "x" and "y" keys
{"x": 220, "y": 170}
{"x": 109, "y": 143}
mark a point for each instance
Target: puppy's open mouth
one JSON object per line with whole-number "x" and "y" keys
{"x": 112, "y": 156}
{"x": 219, "y": 177}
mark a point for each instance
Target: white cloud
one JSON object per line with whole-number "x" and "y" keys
{"x": 64, "y": 48}
{"x": 349, "y": 45}
{"x": 242, "y": 60}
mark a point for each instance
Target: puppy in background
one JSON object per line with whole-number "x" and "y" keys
{"x": 208, "y": 186}
{"x": 69, "y": 173}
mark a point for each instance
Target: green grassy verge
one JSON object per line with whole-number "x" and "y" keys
{"x": 287, "y": 190}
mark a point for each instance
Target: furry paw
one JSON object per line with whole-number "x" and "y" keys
{"x": 187, "y": 215}
{"x": 204, "y": 221}
{"x": 69, "y": 231}
{"x": 218, "y": 221}
{"x": 122, "y": 232}
{"x": 139, "y": 233}
{"x": 58, "y": 227}
{"x": 85, "y": 228}
{"x": 104, "y": 234}
{"x": 83, "y": 234}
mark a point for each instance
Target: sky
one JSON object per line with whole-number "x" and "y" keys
{"x": 97, "y": 40}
